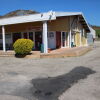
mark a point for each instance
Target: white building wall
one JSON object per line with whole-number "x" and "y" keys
{"x": 93, "y": 32}
{"x": 91, "y": 36}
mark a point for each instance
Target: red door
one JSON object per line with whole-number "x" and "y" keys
{"x": 58, "y": 39}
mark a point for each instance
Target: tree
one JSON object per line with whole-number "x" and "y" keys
{"x": 98, "y": 33}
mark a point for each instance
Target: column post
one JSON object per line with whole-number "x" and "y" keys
{"x": 68, "y": 40}
{"x": 3, "y": 38}
{"x": 45, "y": 39}
{"x": 70, "y": 36}
{"x": 81, "y": 38}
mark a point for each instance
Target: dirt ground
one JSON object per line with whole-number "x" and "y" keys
{"x": 71, "y": 78}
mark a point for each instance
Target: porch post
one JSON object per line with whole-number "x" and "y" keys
{"x": 3, "y": 38}
{"x": 45, "y": 39}
{"x": 70, "y": 36}
{"x": 81, "y": 38}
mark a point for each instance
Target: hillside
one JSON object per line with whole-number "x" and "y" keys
{"x": 96, "y": 27}
{"x": 18, "y": 13}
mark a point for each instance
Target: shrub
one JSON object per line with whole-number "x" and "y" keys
{"x": 98, "y": 33}
{"x": 23, "y": 46}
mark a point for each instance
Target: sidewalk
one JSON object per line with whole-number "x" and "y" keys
{"x": 58, "y": 53}
{"x": 66, "y": 52}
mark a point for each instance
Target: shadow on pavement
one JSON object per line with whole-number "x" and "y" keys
{"x": 52, "y": 87}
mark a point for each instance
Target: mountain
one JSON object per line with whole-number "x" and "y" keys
{"x": 19, "y": 13}
{"x": 96, "y": 27}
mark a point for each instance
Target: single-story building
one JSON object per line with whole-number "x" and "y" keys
{"x": 52, "y": 29}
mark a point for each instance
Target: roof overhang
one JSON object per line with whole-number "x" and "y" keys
{"x": 28, "y": 18}
{"x": 84, "y": 22}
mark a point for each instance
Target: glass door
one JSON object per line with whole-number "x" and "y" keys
{"x": 38, "y": 40}
{"x": 16, "y": 36}
{"x": 63, "y": 39}
{"x": 31, "y": 35}
{"x": 25, "y": 35}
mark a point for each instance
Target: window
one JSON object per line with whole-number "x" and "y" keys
{"x": 31, "y": 35}
{"x": 64, "y": 37}
{"x": 0, "y": 36}
{"x": 25, "y": 35}
{"x": 51, "y": 35}
{"x": 16, "y": 36}
{"x": 8, "y": 36}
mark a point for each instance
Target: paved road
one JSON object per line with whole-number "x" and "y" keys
{"x": 51, "y": 79}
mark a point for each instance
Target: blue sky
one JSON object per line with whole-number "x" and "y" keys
{"x": 90, "y": 8}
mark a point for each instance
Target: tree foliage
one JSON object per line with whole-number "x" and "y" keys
{"x": 98, "y": 33}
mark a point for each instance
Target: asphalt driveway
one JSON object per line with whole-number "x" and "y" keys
{"x": 72, "y": 78}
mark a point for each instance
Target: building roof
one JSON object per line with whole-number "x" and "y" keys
{"x": 42, "y": 17}
{"x": 27, "y": 18}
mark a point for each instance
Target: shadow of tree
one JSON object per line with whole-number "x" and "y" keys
{"x": 52, "y": 87}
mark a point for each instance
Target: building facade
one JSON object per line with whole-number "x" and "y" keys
{"x": 52, "y": 29}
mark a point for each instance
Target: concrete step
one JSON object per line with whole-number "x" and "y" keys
{"x": 74, "y": 52}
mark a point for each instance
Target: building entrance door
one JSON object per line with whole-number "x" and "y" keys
{"x": 64, "y": 37}
{"x": 38, "y": 40}
{"x": 16, "y": 36}
{"x": 51, "y": 40}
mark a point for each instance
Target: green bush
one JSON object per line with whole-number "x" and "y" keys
{"x": 98, "y": 33}
{"x": 23, "y": 46}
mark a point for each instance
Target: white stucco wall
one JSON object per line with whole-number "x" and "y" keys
{"x": 93, "y": 33}
{"x": 91, "y": 36}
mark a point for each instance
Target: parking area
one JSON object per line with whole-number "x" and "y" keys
{"x": 28, "y": 79}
